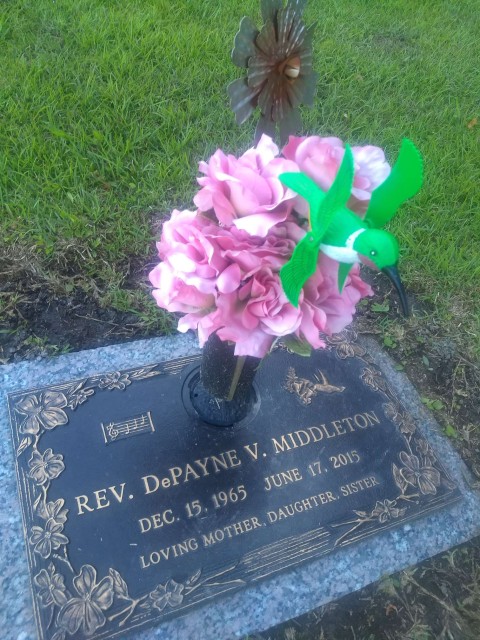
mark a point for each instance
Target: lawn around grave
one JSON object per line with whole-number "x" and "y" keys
{"x": 106, "y": 109}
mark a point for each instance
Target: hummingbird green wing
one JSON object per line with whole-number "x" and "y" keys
{"x": 323, "y": 206}
{"x": 336, "y": 197}
{"x": 300, "y": 267}
{"x": 343, "y": 271}
{"x": 403, "y": 183}
{"x": 305, "y": 187}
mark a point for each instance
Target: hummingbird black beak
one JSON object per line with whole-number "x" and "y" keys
{"x": 392, "y": 273}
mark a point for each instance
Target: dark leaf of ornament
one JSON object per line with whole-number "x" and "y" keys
{"x": 244, "y": 44}
{"x": 269, "y": 9}
{"x": 304, "y": 89}
{"x": 287, "y": 27}
{"x": 259, "y": 69}
{"x": 267, "y": 40}
{"x": 242, "y": 99}
{"x": 264, "y": 126}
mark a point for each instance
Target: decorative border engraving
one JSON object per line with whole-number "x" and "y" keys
{"x": 418, "y": 472}
{"x": 76, "y": 601}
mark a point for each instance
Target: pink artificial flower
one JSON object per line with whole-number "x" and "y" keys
{"x": 190, "y": 244}
{"x": 252, "y": 252}
{"x": 246, "y": 192}
{"x": 256, "y": 313}
{"x": 204, "y": 324}
{"x": 191, "y": 251}
{"x": 371, "y": 169}
{"x": 320, "y": 159}
{"x": 324, "y": 308}
{"x": 173, "y": 294}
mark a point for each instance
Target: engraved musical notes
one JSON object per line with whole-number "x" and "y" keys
{"x": 133, "y": 426}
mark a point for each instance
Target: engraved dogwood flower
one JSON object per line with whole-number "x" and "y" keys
{"x": 115, "y": 380}
{"x": 48, "y": 539}
{"x": 44, "y": 410}
{"x": 87, "y": 610}
{"x": 402, "y": 420}
{"x": 51, "y": 589}
{"x": 45, "y": 466}
{"x": 170, "y": 594}
{"x": 53, "y": 510}
{"x": 374, "y": 379}
{"x": 345, "y": 345}
{"x": 426, "y": 478}
{"x": 386, "y": 510}
{"x": 78, "y": 395}
{"x": 424, "y": 449}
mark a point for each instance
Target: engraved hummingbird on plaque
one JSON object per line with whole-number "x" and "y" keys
{"x": 306, "y": 389}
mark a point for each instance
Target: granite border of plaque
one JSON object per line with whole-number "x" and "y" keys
{"x": 278, "y": 598}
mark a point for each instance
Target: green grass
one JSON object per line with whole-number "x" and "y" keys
{"x": 106, "y": 108}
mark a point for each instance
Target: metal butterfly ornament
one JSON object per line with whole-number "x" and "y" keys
{"x": 341, "y": 234}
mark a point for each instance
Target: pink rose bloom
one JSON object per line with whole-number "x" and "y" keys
{"x": 189, "y": 244}
{"x": 323, "y": 308}
{"x": 320, "y": 159}
{"x": 173, "y": 294}
{"x": 252, "y": 252}
{"x": 256, "y": 313}
{"x": 246, "y": 191}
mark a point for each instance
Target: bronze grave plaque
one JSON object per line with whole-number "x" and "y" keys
{"x": 134, "y": 509}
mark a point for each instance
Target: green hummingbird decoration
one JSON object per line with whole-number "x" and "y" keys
{"x": 341, "y": 234}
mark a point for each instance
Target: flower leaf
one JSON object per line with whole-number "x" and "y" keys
{"x": 361, "y": 514}
{"x": 119, "y": 585}
{"x": 298, "y": 346}
{"x": 146, "y": 372}
{"x": 399, "y": 479}
{"x": 193, "y": 578}
{"x": 448, "y": 483}
{"x": 26, "y": 442}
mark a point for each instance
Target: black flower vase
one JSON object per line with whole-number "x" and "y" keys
{"x": 223, "y": 394}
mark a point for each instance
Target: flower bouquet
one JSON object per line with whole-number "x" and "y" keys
{"x": 221, "y": 262}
